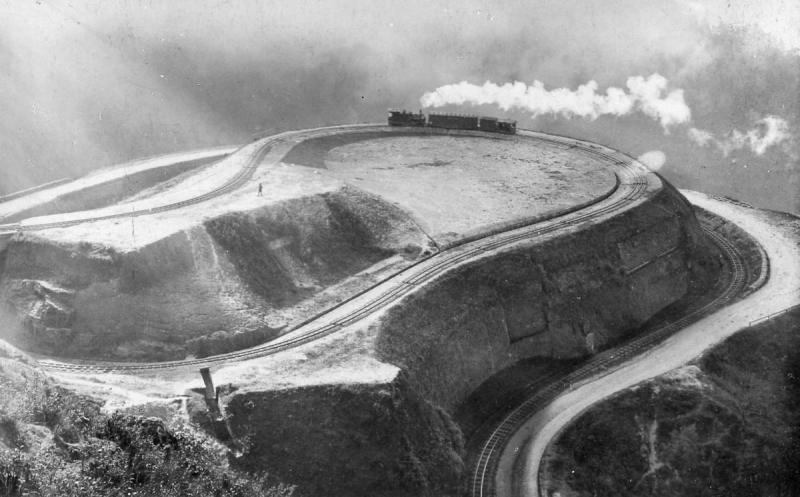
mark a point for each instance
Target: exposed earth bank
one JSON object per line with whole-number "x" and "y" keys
{"x": 378, "y": 439}
{"x": 725, "y": 424}
{"x": 235, "y": 280}
{"x": 562, "y": 297}
{"x": 558, "y": 297}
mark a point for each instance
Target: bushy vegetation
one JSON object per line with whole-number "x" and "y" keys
{"x": 727, "y": 425}
{"x": 88, "y": 453}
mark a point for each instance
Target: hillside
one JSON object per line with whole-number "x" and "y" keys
{"x": 725, "y": 424}
{"x": 342, "y": 208}
{"x": 490, "y": 251}
{"x": 55, "y": 443}
{"x": 248, "y": 273}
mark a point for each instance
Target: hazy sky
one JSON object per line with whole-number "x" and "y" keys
{"x": 85, "y": 84}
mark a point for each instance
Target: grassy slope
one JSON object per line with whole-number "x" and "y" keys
{"x": 248, "y": 275}
{"x": 729, "y": 424}
{"x": 56, "y": 443}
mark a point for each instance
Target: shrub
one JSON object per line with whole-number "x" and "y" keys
{"x": 99, "y": 455}
{"x": 15, "y": 474}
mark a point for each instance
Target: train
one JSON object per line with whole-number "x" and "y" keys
{"x": 452, "y": 121}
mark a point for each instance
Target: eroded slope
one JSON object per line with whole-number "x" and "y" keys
{"x": 565, "y": 296}
{"x": 727, "y": 423}
{"x": 235, "y": 280}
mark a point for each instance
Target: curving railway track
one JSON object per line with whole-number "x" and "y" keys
{"x": 632, "y": 184}
{"x": 238, "y": 180}
{"x": 484, "y": 466}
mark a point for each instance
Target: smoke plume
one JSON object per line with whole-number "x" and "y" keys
{"x": 84, "y": 87}
{"x": 653, "y": 159}
{"x": 646, "y": 95}
{"x": 769, "y": 131}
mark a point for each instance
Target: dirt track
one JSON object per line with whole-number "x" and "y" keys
{"x": 519, "y": 466}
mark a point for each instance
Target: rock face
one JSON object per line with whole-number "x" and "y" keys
{"x": 563, "y": 298}
{"x": 353, "y": 439}
{"x": 232, "y": 281}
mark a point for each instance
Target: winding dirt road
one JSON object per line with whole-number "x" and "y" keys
{"x": 518, "y": 468}
{"x": 41, "y": 195}
{"x": 243, "y": 161}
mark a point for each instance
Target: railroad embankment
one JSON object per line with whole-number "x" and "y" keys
{"x": 724, "y": 424}
{"x": 557, "y": 297}
{"x": 561, "y": 298}
{"x": 233, "y": 280}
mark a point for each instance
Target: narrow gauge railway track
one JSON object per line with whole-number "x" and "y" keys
{"x": 632, "y": 183}
{"x": 234, "y": 183}
{"x": 482, "y": 483}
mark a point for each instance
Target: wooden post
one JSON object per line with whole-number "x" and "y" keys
{"x": 211, "y": 394}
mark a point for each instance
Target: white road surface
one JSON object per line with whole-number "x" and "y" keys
{"x": 106, "y": 175}
{"x": 782, "y": 290}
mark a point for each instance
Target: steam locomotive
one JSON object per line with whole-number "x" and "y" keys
{"x": 452, "y": 121}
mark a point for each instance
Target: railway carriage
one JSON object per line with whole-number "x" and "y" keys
{"x": 488, "y": 124}
{"x": 452, "y": 121}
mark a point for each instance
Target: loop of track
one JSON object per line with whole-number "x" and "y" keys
{"x": 632, "y": 184}
{"x": 238, "y": 180}
{"x": 482, "y": 481}
{"x": 235, "y": 182}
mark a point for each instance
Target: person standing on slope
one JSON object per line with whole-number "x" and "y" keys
{"x": 260, "y": 189}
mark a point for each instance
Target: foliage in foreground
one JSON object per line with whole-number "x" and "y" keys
{"x": 93, "y": 454}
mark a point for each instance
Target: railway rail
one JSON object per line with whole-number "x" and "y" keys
{"x": 484, "y": 466}
{"x": 232, "y": 184}
{"x": 632, "y": 184}
{"x": 235, "y": 182}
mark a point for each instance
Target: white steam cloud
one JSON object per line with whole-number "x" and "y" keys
{"x": 653, "y": 159}
{"x": 768, "y": 132}
{"x": 646, "y": 95}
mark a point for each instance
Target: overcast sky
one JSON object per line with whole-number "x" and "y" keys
{"x": 86, "y": 84}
